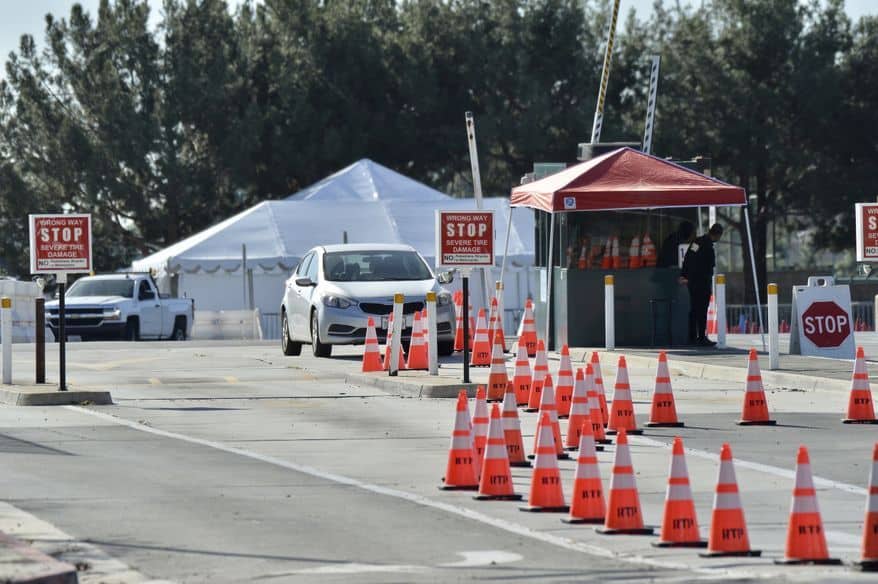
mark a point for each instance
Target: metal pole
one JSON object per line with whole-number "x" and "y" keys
{"x": 605, "y": 76}
{"x": 549, "y": 266}
{"x": 40, "y": 357}
{"x": 6, "y": 341}
{"x": 244, "y": 271}
{"x": 466, "y": 326}
{"x": 651, "y": 103}
{"x": 755, "y": 281}
{"x": 506, "y": 245}
{"x": 62, "y": 333}
{"x": 477, "y": 189}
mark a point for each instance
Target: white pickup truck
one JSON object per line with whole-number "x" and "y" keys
{"x": 121, "y": 306}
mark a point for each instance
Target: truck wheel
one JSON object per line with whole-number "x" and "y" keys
{"x": 132, "y": 331}
{"x": 445, "y": 348}
{"x": 318, "y": 348}
{"x": 179, "y": 332}
{"x": 288, "y": 345}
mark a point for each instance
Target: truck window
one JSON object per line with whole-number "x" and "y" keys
{"x": 101, "y": 287}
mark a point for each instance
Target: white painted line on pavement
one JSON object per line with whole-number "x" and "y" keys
{"x": 496, "y": 522}
{"x": 757, "y": 466}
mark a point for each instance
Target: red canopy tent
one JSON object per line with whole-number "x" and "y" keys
{"x": 626, "y": 179}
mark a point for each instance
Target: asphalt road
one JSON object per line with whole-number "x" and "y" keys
{"x": 227, "y": 463}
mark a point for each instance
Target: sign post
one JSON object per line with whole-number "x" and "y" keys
{"x": 465, "y": 239}
{"x": 60, "y": 245}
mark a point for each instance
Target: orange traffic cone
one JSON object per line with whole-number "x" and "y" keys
{"x": 512, "y": 430}
{"x": 617, "y": 258}
{"x": 458, "y": 310}
{"x": 460, "y": 473}
{"x": 545, "y": 486}
{"x": 498, "y": 326}
{"x": 869, "y": 561}
{"x": 806, "y": 540}
{"x": 755, "y": 412}
{"x": 728, "y": 528}
{"x": 541, "y": 370}
{"x": 587, "y": 501}
{"x": 664, "y": 411}
{"x": 580, "y": 413}
{"x": 599, "y": 386}
{"x": 371, "y": 352}
{"x": 522, "y": 378}
{"x": 418, "y": 345}
{"x": 623, "y": 509}
{"x": 481, "y": 356}
{"x": 582, "y": 264}
{"x": 594, "y": 408}
{"x": 480, "y": 426}
{"x": 498, "y": 378}
{"x": 496, "y": 480}
{"x": 389, "y": 344}
{"x": 634, "y": 253}
{"x": 680, "y": 524}
{"x": 711, "y": 317}
{"x": 492, "y": 319}
{"x": 565, "y": 383}
{"x": 622, "y": 410}
{"x": 528, "y": 338}
{"x": 607, "y": 259}
{"x": 648, "y": 257}
{"x": 548, "y": 405}
{"x": 861, "y": 410}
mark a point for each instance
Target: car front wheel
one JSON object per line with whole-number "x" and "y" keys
{"x": 287, "y": 345}
{"x": 318, "y": 348}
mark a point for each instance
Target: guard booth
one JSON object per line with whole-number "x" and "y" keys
{"x": 598, "y": 213}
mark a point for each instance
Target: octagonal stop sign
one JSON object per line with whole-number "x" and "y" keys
{"x": 826, "y": 324}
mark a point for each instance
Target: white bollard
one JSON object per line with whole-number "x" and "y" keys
{"x": 773, "y": 339}
{"x": 609, "y": 314}
{"x": 432, "y": 339}
{"x": 721, "y": 326}
{"x": 396, "y": 343}
{"x": 6, "y": 332}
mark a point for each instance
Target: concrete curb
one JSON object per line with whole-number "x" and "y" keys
{"x": 22, "y": 564}
{"x": 27, "y": 396}
{"x": 413, "y": 386}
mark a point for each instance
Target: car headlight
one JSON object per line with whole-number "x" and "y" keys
{"x": 443, "y": 298}
{"x": 337, "y": 302}
{"x": 112, "y": 313}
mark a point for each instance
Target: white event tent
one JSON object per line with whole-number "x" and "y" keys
{"x": 363, "y": 203}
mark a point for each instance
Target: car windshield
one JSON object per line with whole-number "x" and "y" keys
{"x": 374, "y": 266}
{"x": 100, "y": 287}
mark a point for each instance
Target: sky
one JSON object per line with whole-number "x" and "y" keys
{"x": 26, "y": 16}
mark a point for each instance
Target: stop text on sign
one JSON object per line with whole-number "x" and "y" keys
{"x": 826, "y": 324}
{"x": 465, "y": 238}
{"x": 60, "y": 244}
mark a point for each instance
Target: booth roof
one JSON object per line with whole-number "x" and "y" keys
{"x": 278, "y": 233}
{"x": 625, "y": 179}
{"x": 366, "y": 180}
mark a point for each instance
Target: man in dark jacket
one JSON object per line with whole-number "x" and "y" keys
{"x": 669, "y": 252}
{"x": 697, "y": 274}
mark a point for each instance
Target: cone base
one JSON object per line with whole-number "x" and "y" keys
{"x": 603, "y": 441}
{"x": 560, "y": 417}
{"x": 494, "y": 401}
{"x": 802, "y": 562}
{"x": 580, "y": 520}
{"x": 562, "y": 456}
{"x": 597, "y": 447}
{"x": 756, "y": 422}
{"x": 664, "y": 424}
{"x": 680, "y": 544}
{"x": 530, "y": 410}
{"x": 867, "y": 565}
{"x": 636, "y": 431}
{"x": 610, "y": 531}
{"x": 745, "y": 554}
{"x": 521, "y": 464}
{"x": 853, "y": 421}
{"x": 459, "y": 488}
{"x": 497, "y": 497}
{"x": 538, "y": 509}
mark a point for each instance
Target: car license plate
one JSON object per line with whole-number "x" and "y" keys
{"x": 408, "y": 321}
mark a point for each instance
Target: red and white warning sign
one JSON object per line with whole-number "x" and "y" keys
{"x": 866, "y": 216}
{"x": 465, "y": 238}
{"x": 821, "y": 320}
{"x": 60, "y": 244}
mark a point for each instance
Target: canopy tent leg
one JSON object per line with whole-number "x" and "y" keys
{"x": 503, "y": 264}
{"x": 549, "y": 266}
{"x": 755, "y": 281}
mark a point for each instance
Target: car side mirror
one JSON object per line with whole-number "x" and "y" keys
{"x": 305, "y": 282}
{"x": 445, "y": 277}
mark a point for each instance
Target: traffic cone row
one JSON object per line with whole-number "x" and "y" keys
{"x": 528, "y": 337}
{"x": 565, "y": 383}
{"x": 541, "y": 370}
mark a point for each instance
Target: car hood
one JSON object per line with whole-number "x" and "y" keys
{"x": 88, "y": 301}
{"x": 380, "y": 290}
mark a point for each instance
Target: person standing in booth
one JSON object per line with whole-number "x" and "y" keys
{"x": 669, "y": 253}
{"x": 697, "y": 274}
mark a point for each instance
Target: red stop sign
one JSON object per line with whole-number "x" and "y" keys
{"x": 825, "y": 324}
